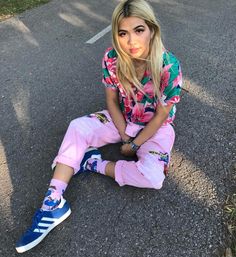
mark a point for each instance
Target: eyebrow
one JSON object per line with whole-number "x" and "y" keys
{"x": 137, "y": 27}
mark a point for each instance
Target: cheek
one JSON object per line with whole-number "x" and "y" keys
{"x": 123, "y": 45}
{"x": 147, "y": 39}
{"x": 146, "y": 45}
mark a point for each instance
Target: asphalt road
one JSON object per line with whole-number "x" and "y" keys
{"x": 49, "y": 76}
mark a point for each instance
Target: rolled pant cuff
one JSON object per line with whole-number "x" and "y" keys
{"x": 66, "y": 161}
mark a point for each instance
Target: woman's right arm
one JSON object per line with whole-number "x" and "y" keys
{"x": 112, "y": 100}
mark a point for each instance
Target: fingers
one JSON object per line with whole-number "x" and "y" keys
{"x": 126, "y": 150}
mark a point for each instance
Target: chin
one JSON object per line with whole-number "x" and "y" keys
{"x": 135, "y": 56}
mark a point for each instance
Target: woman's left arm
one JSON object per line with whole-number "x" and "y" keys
{"x": 154, "y": 124}
{"x": 150, "y": 129}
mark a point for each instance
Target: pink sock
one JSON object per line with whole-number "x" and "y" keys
{"x": 96, "y": 165}
{"x": 102, "y": 166}
{"x": 53, "y": 195}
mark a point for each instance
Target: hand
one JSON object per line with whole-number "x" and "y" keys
{"x": 125, "y": 138}
{"x": 127, "y": 150}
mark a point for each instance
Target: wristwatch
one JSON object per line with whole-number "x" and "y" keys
{"x": 134, "y": 147}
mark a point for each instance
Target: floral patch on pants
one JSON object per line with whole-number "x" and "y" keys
{"x": 100, "y": 116}
{"x": 162, "y": 157}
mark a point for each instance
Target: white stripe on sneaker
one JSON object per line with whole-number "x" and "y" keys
{"x": 40, "y": 230}
{"x": 48, "y": 219}
{"x": 44, "y": 225}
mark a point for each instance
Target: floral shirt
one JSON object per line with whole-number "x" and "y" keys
{"x": 142, "y": 111}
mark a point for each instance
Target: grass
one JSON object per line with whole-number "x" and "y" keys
{"x": 9, "y": 8}
{"x": 230, "y": 209}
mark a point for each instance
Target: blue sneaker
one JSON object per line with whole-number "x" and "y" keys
{"x": 43, "y": 223}
{"x": 91, "y": 153}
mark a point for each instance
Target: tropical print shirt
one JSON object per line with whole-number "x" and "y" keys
{"x": 143, "y": 109}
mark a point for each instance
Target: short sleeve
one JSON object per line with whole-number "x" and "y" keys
{"x": 109, "y": 69}
{"x": 171, "y": 80}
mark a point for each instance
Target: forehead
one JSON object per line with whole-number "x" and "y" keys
{"x": 128, "y": 23}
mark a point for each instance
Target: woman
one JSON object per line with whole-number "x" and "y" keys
{"x": 142, "y": 82}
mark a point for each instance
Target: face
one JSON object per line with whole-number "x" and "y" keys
{"x": 134, "y": 37}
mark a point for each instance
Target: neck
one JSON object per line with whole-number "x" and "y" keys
{"x": 140, "y": 67}
{"x": 139, "y": 63}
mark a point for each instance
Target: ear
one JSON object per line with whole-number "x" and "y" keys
{"x": 152, "y": 33}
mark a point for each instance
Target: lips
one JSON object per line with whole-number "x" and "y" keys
{"x": 133, "y": 50}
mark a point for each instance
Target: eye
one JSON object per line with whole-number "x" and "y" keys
{"x": 139, "y": 31}
{"x": 122, "y": 34}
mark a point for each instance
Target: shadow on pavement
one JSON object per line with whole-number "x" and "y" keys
{"x": 47, "y": 83}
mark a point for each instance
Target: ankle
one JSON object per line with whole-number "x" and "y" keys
{"x": 53, "y": 196}
{"x": 110, "y": 169}
{"x": 96, "y": 165}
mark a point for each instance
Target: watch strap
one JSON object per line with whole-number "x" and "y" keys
{"x": 134, "y": 147}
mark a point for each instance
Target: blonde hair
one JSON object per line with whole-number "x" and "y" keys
{"x": 125, "y": 68}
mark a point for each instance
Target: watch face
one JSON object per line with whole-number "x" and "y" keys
{"x": 134, "y": 146}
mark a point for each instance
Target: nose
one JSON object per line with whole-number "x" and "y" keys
{"x": 131, "y": 39}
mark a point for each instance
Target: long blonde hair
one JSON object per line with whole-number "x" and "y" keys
{"x": 125, "y": 68}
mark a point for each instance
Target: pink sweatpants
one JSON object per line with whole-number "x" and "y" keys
{"x": 96, "y": 130}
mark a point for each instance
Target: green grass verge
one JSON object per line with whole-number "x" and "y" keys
{"x": 9, "y": 8}
{"x": 230, "y": 209}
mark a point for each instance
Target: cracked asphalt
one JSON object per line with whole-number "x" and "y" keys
{"x": 49, "y": 76}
